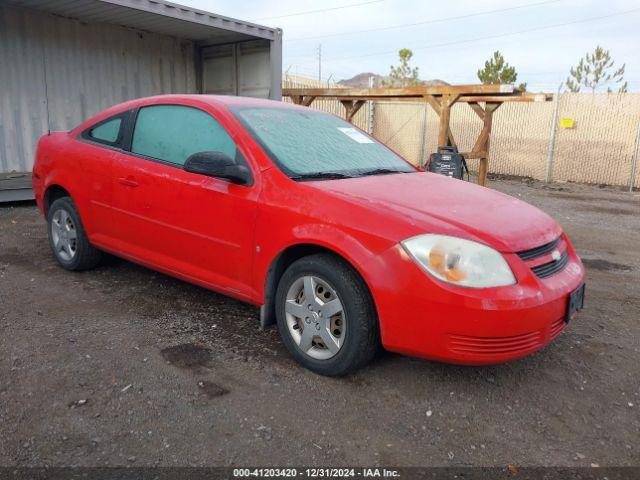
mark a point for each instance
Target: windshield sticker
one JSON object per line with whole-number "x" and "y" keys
{"x": 356, "y": 135}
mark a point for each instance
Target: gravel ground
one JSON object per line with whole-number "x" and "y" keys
{"x": 125, "y": 366}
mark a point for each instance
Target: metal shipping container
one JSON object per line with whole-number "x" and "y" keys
{"x": 62, "y": 61}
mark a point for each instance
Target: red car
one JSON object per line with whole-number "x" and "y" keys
{"x": 338, "y": 239}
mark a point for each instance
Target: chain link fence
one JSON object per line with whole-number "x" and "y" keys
{"x": 603, "y": 144}
{"x": 587, "y": 138}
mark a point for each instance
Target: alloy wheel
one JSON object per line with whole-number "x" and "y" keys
{"x": 64, "y": 235}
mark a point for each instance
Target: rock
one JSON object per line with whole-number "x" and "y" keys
{"x": 265, "y": 432}
{"x": 78, "y": 403}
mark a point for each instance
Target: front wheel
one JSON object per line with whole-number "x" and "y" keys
{"x": 326, "y": 316}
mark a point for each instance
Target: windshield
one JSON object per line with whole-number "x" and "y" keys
{"x": 313, "y": 145}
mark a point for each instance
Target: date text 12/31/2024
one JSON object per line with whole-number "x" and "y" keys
{"x": 315, "y": 472}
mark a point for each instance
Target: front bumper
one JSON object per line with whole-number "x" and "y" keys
{"x": 421, "y": 316}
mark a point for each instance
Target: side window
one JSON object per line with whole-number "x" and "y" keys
{"x": 107, "y": 131}
{"x": 173, "y": 132}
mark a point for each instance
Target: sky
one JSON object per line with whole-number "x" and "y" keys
{"x": 450, "y": 39}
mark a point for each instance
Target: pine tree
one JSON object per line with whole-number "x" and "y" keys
{"x": 496, "y": 70}
{"x": 593, "y": 72}
{"x": 403, "y": 75}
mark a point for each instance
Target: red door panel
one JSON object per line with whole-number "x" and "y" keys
{"x": 197, "y": 226}
{"x": 93, "y": 171}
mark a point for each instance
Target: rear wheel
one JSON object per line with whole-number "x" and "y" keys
{"x": 325, "y": 315}
{"x": 67, "y": 238}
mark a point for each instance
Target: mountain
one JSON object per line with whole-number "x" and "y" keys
{"x": 361, "y": 80}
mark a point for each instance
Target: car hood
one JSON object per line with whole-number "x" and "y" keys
{"x": 427, "y": 202}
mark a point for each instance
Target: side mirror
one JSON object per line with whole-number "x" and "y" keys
{"x": 219, "y": 165}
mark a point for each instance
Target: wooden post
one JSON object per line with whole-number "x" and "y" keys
{"x": 351, "y": 108}
{"x": 445, "y": 115}
{"x": 445, "y": 137}
{"x": 478, "y": 109}
{"x": 435, "y": 104}
{"x": 485, "y": 140}
{"x": 303, "y": 100}
{"x": 308, "y": 100}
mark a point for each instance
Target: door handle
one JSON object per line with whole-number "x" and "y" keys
{"x": 128, "y": 182}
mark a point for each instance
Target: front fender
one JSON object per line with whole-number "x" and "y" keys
{"x": 342, "y": 242}
{"x": 270, "y": 262}
{"x": 329, "y": 237}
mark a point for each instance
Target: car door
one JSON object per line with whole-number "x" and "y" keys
{"x": 95, "y": 152}
{"x": 194, "y": 226}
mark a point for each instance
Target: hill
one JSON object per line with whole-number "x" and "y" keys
{"x": 361, "y": 80}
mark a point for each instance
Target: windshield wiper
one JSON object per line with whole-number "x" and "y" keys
{"x": 320, "y": 176}
{"x": 380, "y": 171}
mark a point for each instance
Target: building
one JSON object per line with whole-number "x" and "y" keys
{"x": 62, "y": 61}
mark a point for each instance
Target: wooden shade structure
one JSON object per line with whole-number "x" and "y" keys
{"x": 440, "y": 98}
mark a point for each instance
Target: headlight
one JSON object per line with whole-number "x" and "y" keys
{"x": 459, "y": 261}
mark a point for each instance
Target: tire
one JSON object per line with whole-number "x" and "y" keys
{"x": 355, "y": 328}
{"x": 67, "y": 238}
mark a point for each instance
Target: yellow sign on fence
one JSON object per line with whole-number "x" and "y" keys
{"x": 567, "y": 122}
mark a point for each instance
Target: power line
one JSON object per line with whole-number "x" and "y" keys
{"x": 489, "y": 37}
{"x": 309, "y": 12}
{"x": 426, "y": 22}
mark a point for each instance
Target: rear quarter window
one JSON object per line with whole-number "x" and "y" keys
{"x": 107, "y": 132}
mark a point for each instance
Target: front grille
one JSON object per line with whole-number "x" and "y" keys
{"x": 539, "y": 251}
{"x": 495, "y": 345}
{"x": 547, "y": 269}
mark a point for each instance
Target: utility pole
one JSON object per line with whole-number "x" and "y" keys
{"x": 320, "y": 62}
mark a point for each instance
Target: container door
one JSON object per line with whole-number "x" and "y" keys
{"x": 241, "y": 69}
{"x": 254, "y": 69}
{"x": 219, "y": 70}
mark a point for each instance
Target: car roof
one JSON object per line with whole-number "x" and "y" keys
{"x": 219, "y": 101}
{"x": 214, "y": 100}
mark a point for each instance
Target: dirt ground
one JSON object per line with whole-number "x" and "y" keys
{"x": 125, "y": 366}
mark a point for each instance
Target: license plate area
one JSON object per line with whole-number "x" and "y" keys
{"x": 575, "y": 302}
